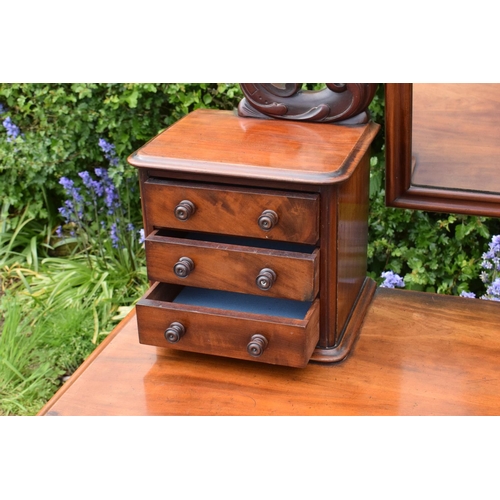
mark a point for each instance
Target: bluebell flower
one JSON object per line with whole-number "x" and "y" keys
{"x": 12, "y": 129}
{"x": 101, "y": 172}
{"x": 130, "y": 227}
{"x": 96, "y": 188}
{"x": 142, "y": 239}
{"x": 392, "y": 280}
{"x": 109, "y": 151}
{"x": 67, "y": 211}
{"x": 72, "y": 191}
{"x": 66, "y": 183}
{"x": 114, "y": 235}
{"x": 111, "y": 199}
{"x": 468, "y": 295}
{"x": 3, "y": 109}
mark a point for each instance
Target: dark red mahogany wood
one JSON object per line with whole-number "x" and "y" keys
{"x": 216, "y": 173}
{"x": 417, "y": 354}
{"x": 442, "y": 147}
{"x": 338, "y": 102}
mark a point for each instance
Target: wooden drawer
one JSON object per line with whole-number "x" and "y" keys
{"x": 236, "y": 268}
{"x": 225, "y": 324}
{"x": 234, "y": 211}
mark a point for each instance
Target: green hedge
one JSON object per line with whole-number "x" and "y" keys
{"x": 61, "y": 125}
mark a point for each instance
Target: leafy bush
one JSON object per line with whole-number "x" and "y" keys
{"x": 53, "y": 130}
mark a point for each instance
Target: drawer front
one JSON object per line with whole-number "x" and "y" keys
{"x": 254, "y": 337}
{"x": 278, "y": 215}
{"x": 235, "y": 268}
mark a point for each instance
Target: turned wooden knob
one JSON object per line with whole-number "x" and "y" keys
{"x": 266, "y": 279}
{"x": 257, "y": 345}
{"x": 268, "y": 219}
{"x": 183, "y": 267}
{"x": 184, "y": 210}
{"x": 175, "y": 332}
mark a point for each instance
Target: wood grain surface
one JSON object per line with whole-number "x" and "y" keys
{"x": 215, "y": 330}
{"x": 456, "y": 136}
{"x": 230, "y": 210}
{"x": 417, "y": 354}
{"x": 442, "y": 147}
{"x": 234, "y": 268}
{"x": 221, "y": 143}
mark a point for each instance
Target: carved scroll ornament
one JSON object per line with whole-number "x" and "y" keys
{"x": 345, "y": 103}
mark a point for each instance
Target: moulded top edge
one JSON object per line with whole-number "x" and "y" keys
{"x": 220, "y": 143}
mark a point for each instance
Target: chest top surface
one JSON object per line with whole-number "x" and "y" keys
{"x": 221, "y": 143}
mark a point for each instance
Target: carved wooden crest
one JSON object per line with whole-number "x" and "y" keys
{"x": 345, "y": 103}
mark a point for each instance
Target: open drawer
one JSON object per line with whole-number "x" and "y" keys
{"x": 269, "y": 330}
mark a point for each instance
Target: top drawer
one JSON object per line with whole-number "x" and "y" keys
{"x": 255, "y": 213}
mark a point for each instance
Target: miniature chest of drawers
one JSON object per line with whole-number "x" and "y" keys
{"x": 256, "y": 237}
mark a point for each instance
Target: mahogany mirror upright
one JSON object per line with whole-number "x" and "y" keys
{"x": 443, "y": 145}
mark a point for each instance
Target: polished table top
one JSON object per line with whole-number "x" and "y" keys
{"x": 417, "y": 354}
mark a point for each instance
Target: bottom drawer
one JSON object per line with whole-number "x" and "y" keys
{"x": 267, "y": 330}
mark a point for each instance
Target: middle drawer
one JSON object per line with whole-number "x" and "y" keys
{"x": 239, "y": 268}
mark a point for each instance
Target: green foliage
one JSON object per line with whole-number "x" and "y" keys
{"x": 61, "y": 125}
{"x": 27, "y": 379}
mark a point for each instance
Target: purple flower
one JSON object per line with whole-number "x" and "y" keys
{"x": 95, "y": 187}
{"x": 391, "y": 280}
{"x": 494, "y": 288}
{"x": 101, "y": 172}
{"x": 12, "y": 129}
{"x": 3, "y": 109}
{"x": 72, "y": 191}
{"x": 495, "y": 243}
{"x": 109, "y": 151}
{"x": 111, "y": 199}
{"x": 108, "y": 190}
{"x": 486, "y": 264}
{"x": 106, "y": 146}
{"x": 468, "y": 295}
{"x": 114, "y": 235}
{"x": 142, "y": 239}
{"x": 491, "y": 264}
{"x": 66, "y": 183}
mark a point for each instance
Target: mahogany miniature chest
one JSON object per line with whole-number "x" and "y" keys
{"x": 256, "y": 237}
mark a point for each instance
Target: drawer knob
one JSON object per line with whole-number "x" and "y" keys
{"x": 257, "y": 345}
{"x": 266, "y": 279}
{"x": 184, "y": 210}
{"x": 268, "y": 219}
{"x": 183, "y": 267}
{"x": 175, "y": 332}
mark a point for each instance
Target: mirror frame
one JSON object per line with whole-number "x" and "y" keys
{"x": 400, "y": 192}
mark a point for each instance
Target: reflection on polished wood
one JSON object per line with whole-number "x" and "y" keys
{"x": 442, "y": 147}
{"x": 456, "y": 136}
{"x": 417, "y": 354}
